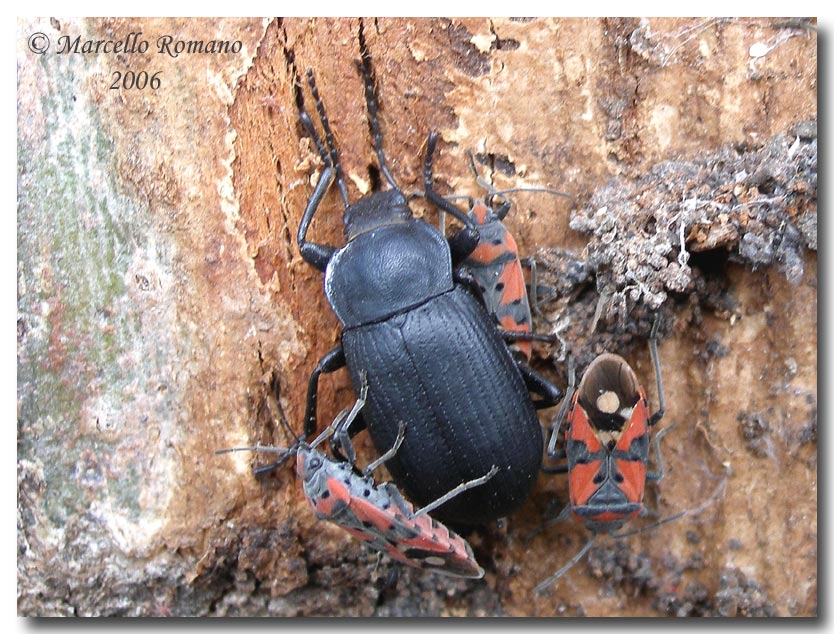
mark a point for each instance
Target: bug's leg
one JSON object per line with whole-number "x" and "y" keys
{"x": 560, "y": 417}
{"x": 652, "y": 526}
{"x": 661, "y": 405}
{"x": 537, "y": 384}
{"x": 466, "y": 240}
{"x": 657, "y": 475}
{"x": 538, "y": 294}
{"x": 341, "y": 426}
{"x": 550, "y": 521}
{"x": 534, "y": 284}
{"x": 330, "y": 362}
{"x": 390, "y": 581}
{"x": 367, "y": 471}
{"x": 464, "y": 486}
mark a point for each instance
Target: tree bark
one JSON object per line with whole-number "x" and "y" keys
{"x": 161, "y": 293}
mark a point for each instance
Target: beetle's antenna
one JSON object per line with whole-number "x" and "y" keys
{"x": 328, "y": 136}
{"x": 367, "y": 73}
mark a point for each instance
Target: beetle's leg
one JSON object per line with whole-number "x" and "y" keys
{"x": 563, "y": 412}
{"x": 462, "y": 244}
{"x": 656, "y": 475}
{"x": 286, "y": 454}
{"x": 536, "y": 383}
{"x": 661, "y": 405}
{"x": 514, "y": 335}
{"x": 466, "y": 240}
{"x": 318, "y": 255}
{"x": 330, "y": 362}
{"x": 550, "y": 520}
{"x": 464, "y": 486}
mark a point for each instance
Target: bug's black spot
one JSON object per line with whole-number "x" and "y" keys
{"x": 516, "y": 302}
{"x": 325, "y": 494}
{"x": 366, "y": 493}
{"x": 599, "y": 478}
{"x": 499, "y": 287}
{"x": 497, "y": 242}
{"x": 367, "y": 524}
{"x": 618, "y": 477}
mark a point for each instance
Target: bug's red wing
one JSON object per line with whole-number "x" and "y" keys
{"x": 581, "y": 477}
{"x": 634, "y": 471}
{"x": 421, "y": 542}
{"x": 337, "y": 500}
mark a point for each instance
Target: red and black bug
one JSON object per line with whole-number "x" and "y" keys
{"x": 376, "y": 514}
{"x": 607, "y": 445}
{"x": 496, "y": 266}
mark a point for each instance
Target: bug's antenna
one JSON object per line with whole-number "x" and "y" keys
{"x": 561, "y": 572}
{"x": 501, "y": 193}
{"x": 287, "y": 452}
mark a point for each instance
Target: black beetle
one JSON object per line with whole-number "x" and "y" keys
{"x": 433, "y": 356}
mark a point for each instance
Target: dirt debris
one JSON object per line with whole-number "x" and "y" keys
{"x": 756, "y": 202}
{"x": 672, "y": 585}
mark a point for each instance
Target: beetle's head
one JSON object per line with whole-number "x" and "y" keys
{"x": 376, "y": 210}
{"x": 608, "y": 393}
